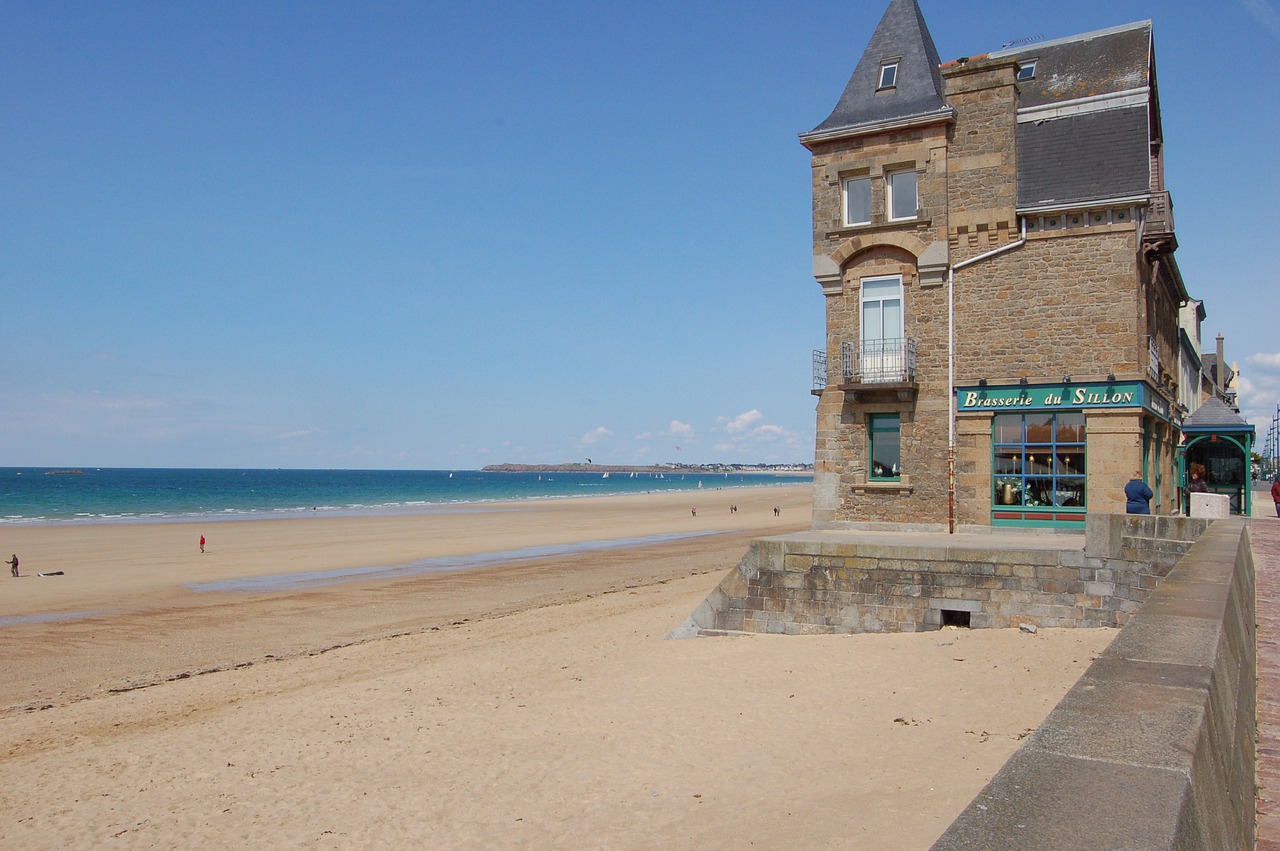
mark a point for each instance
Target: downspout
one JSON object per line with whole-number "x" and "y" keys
{"x": 951, "y": 369}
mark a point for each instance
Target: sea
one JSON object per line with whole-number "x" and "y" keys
{"x": 38, "y": 495}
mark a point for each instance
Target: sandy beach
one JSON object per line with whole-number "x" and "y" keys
{"x": 518, "y": 704}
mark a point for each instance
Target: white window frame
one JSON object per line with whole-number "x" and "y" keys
{"x": 1026, "y": 71}
{"x": 882, "y": 348}
{"x": 864, "y": 182}
{"x": 881, "y": 296}
{"x": 890, "y": 194}
{"x": 890, "y": 70}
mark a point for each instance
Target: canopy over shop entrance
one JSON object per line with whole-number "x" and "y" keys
{"x": 1217, "y": 438}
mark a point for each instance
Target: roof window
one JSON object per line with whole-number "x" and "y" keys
{"x": 888, "y": 75}
{"x": 1027, "y": 70}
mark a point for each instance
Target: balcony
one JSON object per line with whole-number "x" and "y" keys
{"x": 1160, "y": 214}
{"x": 875, "y": 368}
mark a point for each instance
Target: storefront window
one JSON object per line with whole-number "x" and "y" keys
{"x": 1039, "y": 460}
{"x": 885, "y": 431}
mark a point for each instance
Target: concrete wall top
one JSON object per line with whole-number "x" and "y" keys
{"x": 1154, "y": 747}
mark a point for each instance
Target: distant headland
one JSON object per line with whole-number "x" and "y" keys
{"x": 783, "y": 469}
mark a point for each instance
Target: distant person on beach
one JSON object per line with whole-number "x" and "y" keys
{"x": 202, "y": 543}
{"x": 1275, "y": 497}
{"x": 1137, "y": 495}
{"x": 13, "y": 564}
{"x": 777, "y": 512}
{"x": 694, "y": 511}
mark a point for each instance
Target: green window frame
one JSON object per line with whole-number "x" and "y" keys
{"x": 1038, "y": 460}
{"x": 884, "y": 438}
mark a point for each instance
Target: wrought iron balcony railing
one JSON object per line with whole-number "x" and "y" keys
{"x": 871, "y": 362}
{"x": 819, "y": 370}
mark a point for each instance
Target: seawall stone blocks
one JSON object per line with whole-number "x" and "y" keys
{"x": 836, "y": 582}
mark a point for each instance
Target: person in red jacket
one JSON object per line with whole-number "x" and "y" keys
{"x": 1275, "y": 494}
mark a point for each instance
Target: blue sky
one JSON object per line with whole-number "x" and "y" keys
{"x": 446, "y": 234}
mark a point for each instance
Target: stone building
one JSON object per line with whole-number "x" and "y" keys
{"x": 995, "y": 245}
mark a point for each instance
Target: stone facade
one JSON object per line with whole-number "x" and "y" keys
{"x": 1081, "y": 296}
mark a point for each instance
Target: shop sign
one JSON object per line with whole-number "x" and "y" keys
{"x": 1040, "y": 398}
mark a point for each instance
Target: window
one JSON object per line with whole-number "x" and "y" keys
{"x": 902, "y": 195}
{"x": 883, "y": 356}
{"x": 885, "y": 436}
{"x": 888, "y": 76}
{"x": 1039, "y": 459}
{"x": 857, "y": 201}
{"x": 1027, "y": 70}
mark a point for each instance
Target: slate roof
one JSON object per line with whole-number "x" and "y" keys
{"x": 1082, "y": 158}
{"x": 1219, "y": 374}
{"x": 1095, "y": 148}
{"x": 1216, "y": 415}
{"x": 1086, "y": 118}
{"x": 1087, "y": 65}
{"x": 918, "y": 93}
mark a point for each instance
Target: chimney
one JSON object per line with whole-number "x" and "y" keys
{"x": 1220, "y": 366}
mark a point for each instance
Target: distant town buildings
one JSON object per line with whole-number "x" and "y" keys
{"x": 1008, "y": 334}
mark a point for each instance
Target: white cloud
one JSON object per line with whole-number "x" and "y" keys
{"x": 596, "y": 436}
{"x": 1265, "y": 360}
{"x": 747, "y": 436}
{"x": 740, "y": 423}
{"x": 1259, "y": 390}
{"x": 681, "y": 431}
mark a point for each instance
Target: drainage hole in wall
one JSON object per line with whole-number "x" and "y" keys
{"x": 954, "y": 618}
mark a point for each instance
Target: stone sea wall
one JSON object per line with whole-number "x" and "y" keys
{"x": 838, "y": 582}
{"x": 1155, "y": 746}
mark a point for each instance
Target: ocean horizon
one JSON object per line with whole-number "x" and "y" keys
{"x": 38, "y": 495}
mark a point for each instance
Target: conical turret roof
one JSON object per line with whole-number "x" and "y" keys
{"x": 917, "y": 91}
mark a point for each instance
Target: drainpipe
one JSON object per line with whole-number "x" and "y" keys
{"x": 951, "y": 369}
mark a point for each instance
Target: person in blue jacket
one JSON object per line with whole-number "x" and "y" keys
{"x": 1137, "y": 495}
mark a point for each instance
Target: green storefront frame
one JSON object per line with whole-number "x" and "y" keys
{"x": 1062, "y": 398}
{"x": 1038, "y": 464}
{"x": 1240, "y": 492}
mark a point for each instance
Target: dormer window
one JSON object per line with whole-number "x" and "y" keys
{"x": 1027, "y": 70}
{"x": 888, "y": 75}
